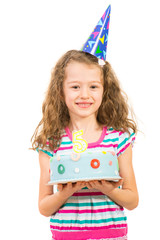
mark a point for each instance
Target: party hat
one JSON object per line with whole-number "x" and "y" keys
{"x": 97, "y": 41}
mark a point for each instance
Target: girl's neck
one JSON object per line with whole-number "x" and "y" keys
{"x": 92, "y": 130}
{"x": 88, "y": 125}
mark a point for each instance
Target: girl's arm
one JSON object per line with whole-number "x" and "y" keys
{"x": 127, "y": 196}
{"x": 49, "y": 202}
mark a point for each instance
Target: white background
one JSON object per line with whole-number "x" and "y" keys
{"x": 33, "y": 35}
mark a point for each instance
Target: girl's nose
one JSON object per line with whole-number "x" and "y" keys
{"x": 84, "y": 93}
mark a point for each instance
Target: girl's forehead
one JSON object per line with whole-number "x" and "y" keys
{"x": 82, "y": 70}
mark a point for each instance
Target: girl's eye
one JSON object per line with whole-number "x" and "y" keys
{"x": 75, "y": 87}
{"x": 93, "y": 86}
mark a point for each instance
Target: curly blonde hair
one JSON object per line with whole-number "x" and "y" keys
{"x": 113, "y": 112}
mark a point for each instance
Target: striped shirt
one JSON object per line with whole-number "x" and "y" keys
{"x": 88, "y": 213}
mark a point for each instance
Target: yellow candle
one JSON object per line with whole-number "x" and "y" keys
{"x": 80, "y": 145}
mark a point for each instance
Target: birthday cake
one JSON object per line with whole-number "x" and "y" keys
{"x": 84, "y": 166}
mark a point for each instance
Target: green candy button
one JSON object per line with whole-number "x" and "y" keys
{"x": 61, "y": 169}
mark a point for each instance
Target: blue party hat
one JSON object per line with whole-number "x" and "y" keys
{"x": 97, "y": 41}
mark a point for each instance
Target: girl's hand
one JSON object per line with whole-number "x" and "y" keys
{"x": 104, "y": 186}
{"x": 70, "y": 188}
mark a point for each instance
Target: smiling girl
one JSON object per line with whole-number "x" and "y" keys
{"x": 84, "y": 95}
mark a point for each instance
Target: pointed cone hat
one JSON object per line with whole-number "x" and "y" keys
{"x": 97, "y": 41}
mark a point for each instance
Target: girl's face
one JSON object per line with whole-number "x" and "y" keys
{"x": 83, "y": 89}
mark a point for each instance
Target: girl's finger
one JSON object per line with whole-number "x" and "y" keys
{"x": 119, "y": 183}
{"x": 69, "y": 185}
{"x": 59, "y": 187}
{"x": 103, "y": 181}
{"x": 88, "y": 185}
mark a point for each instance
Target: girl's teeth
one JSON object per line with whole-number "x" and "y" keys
{"x": 84, "y": 104}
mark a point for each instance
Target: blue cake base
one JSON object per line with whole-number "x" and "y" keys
{"x": 86, "y": 166}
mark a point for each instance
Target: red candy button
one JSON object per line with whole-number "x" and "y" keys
{"x": 110, "y": 163}
{"x": 95, "y": 163}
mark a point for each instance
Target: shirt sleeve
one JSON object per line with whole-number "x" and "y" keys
{"x": 125, "y": 139}
{"x": 45, "y": 149}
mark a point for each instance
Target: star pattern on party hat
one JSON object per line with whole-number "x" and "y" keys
{"x": 97, "y": 41}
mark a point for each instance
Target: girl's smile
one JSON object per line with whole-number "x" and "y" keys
{"x": 84, "y": 104}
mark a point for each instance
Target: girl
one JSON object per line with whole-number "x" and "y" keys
{"x": 84, "y": 95}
